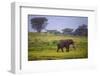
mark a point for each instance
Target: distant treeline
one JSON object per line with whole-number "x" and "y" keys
{"x": 82, "y": 30}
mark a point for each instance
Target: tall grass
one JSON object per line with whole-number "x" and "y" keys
{"x": 43, "y": 46}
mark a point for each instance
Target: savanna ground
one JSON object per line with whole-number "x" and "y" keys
{"x": 43, "y": 46}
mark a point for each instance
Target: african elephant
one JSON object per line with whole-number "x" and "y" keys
{"x": 65, "y": 44}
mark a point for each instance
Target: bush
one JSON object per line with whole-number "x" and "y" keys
{"x": 54, "y": 42}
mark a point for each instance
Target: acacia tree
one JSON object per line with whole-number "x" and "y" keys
{"x": 39, "y": 23}
{"x": 67, "y": 31}
{"x": 82, "y": 30}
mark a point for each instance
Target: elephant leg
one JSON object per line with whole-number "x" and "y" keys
{"x": 58, "y": 49}
{"x": 67, "y": 49}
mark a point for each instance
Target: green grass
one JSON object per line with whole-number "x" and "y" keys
{"x": 42, "y": 46}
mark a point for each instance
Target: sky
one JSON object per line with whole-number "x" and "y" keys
{"x": 59, "y": 22}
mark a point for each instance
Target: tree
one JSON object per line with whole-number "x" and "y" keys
{"x": 54, "y": 32}
{"x": 39, "y": 23}
{"x": 67, "y": 31}
{"x": 81, "y": 30}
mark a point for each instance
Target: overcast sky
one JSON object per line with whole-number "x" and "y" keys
{"x": 59, "y": 22}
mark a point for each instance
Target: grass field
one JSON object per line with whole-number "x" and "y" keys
{"x": 43, "y": 46}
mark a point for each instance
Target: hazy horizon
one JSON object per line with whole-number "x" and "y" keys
{"x": 59, "y": 22}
